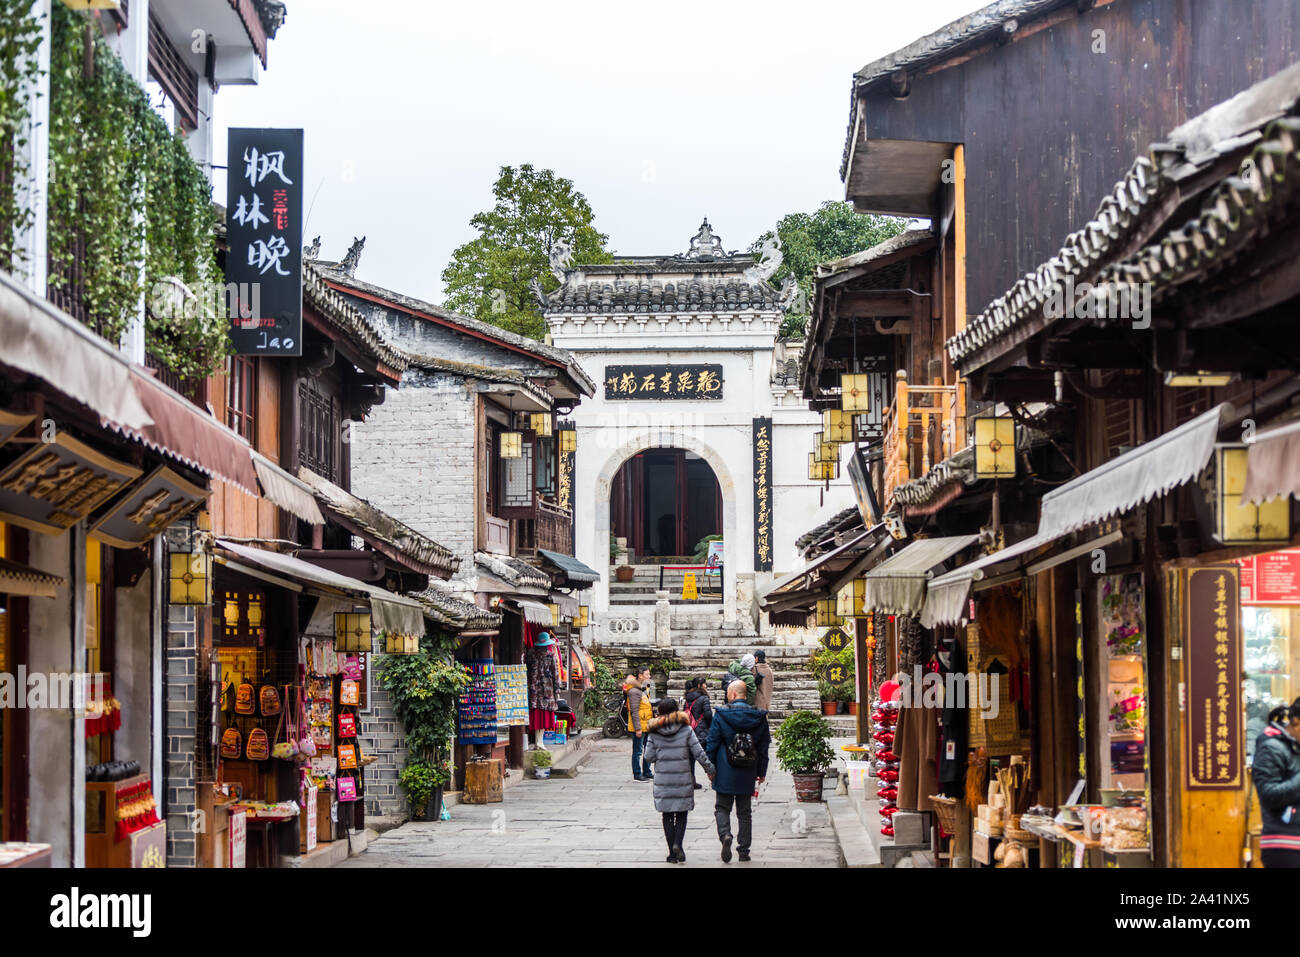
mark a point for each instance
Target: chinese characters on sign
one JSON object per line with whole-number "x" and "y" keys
{"x": 564, "y": 489}
{"x": 763, "y": 495}
{"x": 1213, "y": 661}
{"x": 264, "y": 229}
{"x": 51, "y": 487}
{"x": 835, "y": 639}
{"x": 663, "y": 382}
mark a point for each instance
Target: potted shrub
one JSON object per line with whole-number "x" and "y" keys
{"x": 803, "y": 749}
{"x": 419, "y": 779}
{"x": 541, "y": 763}
{"x": 830, "y": 705}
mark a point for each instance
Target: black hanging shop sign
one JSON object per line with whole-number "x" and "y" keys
{"x": 763, "y": 495}
{"x": 264, "y": 198}
{"x": 663, "y": 382}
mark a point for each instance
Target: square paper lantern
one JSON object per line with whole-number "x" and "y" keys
{"x": 823, "y": 450}
{"x": 1235, "y": 522}
{"x": 569, "y": 439}
{"x": 837, "y": 425}
{"x": 190, "y": 581}
{"x": 352, "y": 631}
{"x": 401, "y": 644}
{"x": 584, "y": 616}
{"x": 850, "y": 601}
{"x": 827, "y": 613}
{"x": 855, "y": 393}
{"x": 512, "y": 445}
{"x": 540, "y": 422}
{"x": 819, "y": 471}
{"x": 995, "y": 447}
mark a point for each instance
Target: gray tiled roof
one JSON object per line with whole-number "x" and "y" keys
{"x": 642, "y": 296}
{"x": 347, "y": 318}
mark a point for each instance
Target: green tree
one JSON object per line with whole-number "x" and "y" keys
{"x": 807, "y": 239}
{"x": 489, "y": 277}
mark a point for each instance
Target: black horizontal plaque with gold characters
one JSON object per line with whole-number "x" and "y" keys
{"x": 663, "y": 382}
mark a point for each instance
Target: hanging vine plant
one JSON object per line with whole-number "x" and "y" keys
{"x": 125, "y": 194}
{"x": 20, "y": 38}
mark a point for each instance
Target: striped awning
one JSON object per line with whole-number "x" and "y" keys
{"x": 284, "y": 490}
{"x": 897, "y": 585}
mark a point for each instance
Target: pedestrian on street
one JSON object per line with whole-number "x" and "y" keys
{"x": 699, "y": 709}
{"x": 639, "y": 713}
{"x": 765, "y": 678}
{"x": 673, "y": 749}
{"x": 1276, "y": 770}
{"x": 737, "y": 745}
{"x": 742, "y": 669}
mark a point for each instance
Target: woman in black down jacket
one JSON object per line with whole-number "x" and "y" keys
{"x": 699, "y": 709}
{"x": 1276, "y": 771}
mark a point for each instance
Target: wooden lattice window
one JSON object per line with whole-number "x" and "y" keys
{"x": 318, "y": 432}
{"x": 241, "y": 395}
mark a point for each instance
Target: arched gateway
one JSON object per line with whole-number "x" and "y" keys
{"x": 698, "y": 426}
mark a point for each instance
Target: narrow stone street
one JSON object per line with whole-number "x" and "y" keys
{"x": 603, "y": 818}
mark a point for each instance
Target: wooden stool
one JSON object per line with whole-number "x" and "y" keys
{"x": 484, "y": 782}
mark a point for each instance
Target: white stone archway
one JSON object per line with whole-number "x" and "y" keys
{"x": 665, "y": 438}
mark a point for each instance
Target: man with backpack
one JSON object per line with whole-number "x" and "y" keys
{"x": 737, "y": 745}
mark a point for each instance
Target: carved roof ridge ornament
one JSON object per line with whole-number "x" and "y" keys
{"x": 705, "y": 245}
{"x": 353, "y": 258}
{"x": 770, "y": 257}
{"x": 560, "y": 255}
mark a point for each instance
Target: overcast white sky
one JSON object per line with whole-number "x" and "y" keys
{"x": 660, "y": 113}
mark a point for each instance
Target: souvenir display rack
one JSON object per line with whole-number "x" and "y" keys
{"x": 477, "y": 708}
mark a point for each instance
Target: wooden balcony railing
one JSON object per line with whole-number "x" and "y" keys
{"x": 924, "y": 426}
{"x": 549, "y": 527}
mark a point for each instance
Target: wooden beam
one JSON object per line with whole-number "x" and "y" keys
{"x": 879, "y": 303}
{"x": 959, "y": 232}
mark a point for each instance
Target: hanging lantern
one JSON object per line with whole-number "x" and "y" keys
{"x": 540, "y": 422}
{"x": 827, "y": 613}
{"x": 823, "y": 450}
{"x": 401, "y": 644}
{"x": 1237, "y": 523}
{"x": 191, "y": 578}
{"x": 568, "y": 439}
{"x": 855, "y": 393}
{"x": 837, "y": 425}
{"x": 555, "y": 614}
{"x": 995, "y": 447}
{"x": 819, "y": 471}
{"x": 230, "y": 613}
{"x": 584, "y": 616}
{"x": 512, "y": 445}
{"x": 352, "y": 631}
{"x": 850, "y": 601}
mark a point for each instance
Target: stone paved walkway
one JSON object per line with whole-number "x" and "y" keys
{"x": 603, "y": 818}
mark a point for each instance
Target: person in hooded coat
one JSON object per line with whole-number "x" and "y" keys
{"x": 742, "y": 670}
{"x": 699, "y": 709}
{"x": 734, "y": 786}
{"x": 1276, "y": 772}
{"x": 672, "y": 748}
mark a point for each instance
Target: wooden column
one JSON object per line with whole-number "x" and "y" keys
{"x": 862, "y": 677}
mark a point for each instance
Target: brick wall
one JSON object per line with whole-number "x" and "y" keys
{"x": 413, "y": 457}
{"x": 382, "y": 736}
{"x": 181, "y": 719}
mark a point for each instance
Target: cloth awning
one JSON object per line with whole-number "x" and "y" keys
{"x": 574, "y": 570}
{"x": 42, "y": 341}
{"x": 284, "y": 490}
{"x": 1272, "y": 464}
{"x": 789, "y": 583}
{"x": 568, "y": 604}
{"x": 1135, "y": 477}
{"x": 897, "y": 585}
{"x": 945, "y": 596}
{"x": 534, "y": 612}
{"x": 389, "y": 613}
{"x": 16, "y": 579}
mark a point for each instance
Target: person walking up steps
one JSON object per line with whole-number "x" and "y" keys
{"x": 766, "y": 679}
{"x": 673, "y": 749}
{"x": 737, "y": 746}
{"x": 742, "y": 670}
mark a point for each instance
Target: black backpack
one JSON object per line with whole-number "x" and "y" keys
{"x": 741, "y": 750}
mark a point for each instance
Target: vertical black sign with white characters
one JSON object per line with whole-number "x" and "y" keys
{"x": 264, "y": 197}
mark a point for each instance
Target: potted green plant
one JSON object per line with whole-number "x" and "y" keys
{"x": 541, "y": 763}
{"x": 419, "y": 779}
{"x": 803, "y": 749}
{"x": 830, "y": 705}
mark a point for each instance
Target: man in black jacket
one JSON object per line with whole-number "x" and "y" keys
{"x": 737, "y": 728}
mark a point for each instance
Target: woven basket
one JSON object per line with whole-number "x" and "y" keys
{"x": 945, "y": 811}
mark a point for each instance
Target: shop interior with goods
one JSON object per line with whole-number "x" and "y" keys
{"x": 281, "y": 689}
{"x": 986, "y": 747}
{"x": 522, "y": 708}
